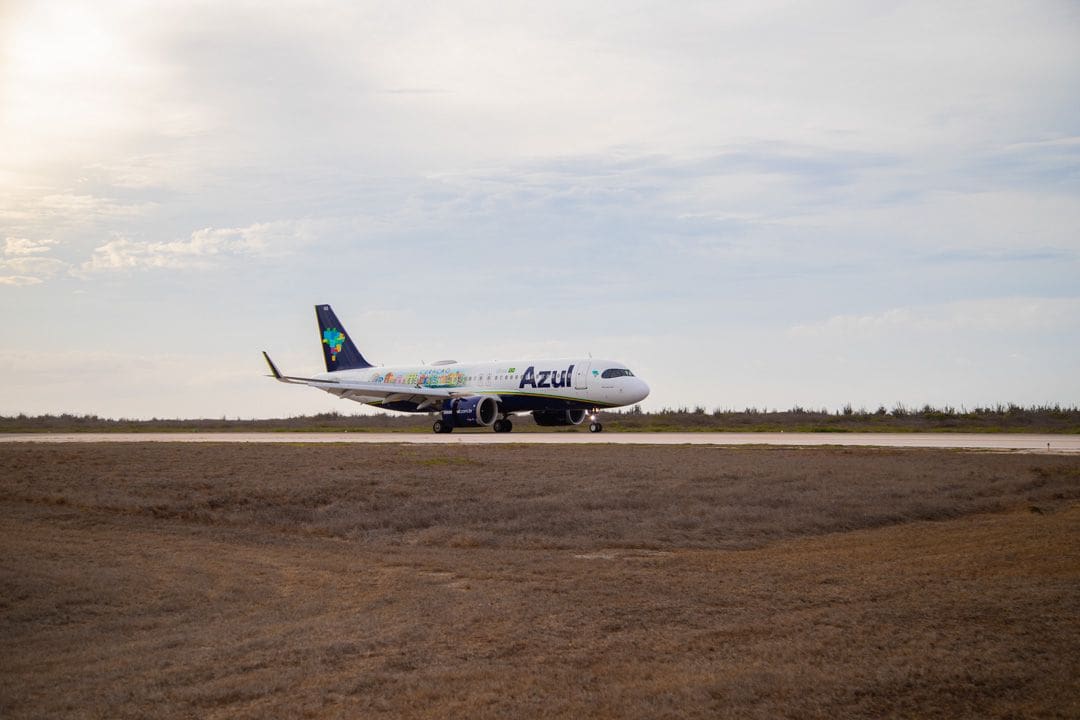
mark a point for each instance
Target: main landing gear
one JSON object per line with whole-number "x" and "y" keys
{"x": 441, "y": 427}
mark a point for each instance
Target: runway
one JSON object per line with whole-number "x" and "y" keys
{"x": 973, "y": 441}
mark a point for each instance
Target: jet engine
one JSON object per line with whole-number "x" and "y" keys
{"x": 474, "y": 411}
{"x": 554, "y": 418}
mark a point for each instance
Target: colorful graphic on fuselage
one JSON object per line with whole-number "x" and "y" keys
{"x": 447, "y": 378}
{"x": 425, "y": 378}
{"x": 333, "y": 338}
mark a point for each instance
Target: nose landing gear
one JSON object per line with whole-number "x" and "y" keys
{"x": 594, "y": 425}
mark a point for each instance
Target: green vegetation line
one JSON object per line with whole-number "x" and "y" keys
{"x": 997, "y": 419}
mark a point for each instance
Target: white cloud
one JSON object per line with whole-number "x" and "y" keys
{"x": 22, "y": 263}
{"x": 40, "y": 266}
{"x": 85, "y": 206}
{"x": 204, "y": 248}
{"x": 18, "y": 280}
{"x": 30, "y": 209}
{"x": 26, "y": 246}
{"x": 997, "y": 315}
{"x": 143, "y": 171}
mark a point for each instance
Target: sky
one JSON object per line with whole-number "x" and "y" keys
{"x": 757, "y": 203}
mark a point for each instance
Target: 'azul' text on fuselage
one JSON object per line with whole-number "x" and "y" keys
{"x": 546, "y": 378}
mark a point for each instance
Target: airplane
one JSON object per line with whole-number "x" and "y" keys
{"x": 471, "y": 395}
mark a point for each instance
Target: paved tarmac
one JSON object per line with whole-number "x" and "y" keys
{"x": 989, "y": 441}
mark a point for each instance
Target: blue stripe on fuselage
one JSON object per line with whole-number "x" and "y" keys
{"x": 509, "y": 403}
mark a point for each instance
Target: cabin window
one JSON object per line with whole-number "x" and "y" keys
{"x": 616, "y": 372}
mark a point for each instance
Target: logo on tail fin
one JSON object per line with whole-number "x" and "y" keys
{"x": 333, "y": 338}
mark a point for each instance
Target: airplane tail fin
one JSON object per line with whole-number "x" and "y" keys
{"x": 338, "y": 349}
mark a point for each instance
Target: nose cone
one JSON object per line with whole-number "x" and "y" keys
{"x": 640, "y": 391}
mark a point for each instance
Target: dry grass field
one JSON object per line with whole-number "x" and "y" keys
{"x": 251, "y": 581}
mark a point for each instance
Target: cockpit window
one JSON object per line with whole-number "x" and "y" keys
{"x": 616, "y": 372}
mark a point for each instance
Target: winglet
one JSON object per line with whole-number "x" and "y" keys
{"x": 273, "y": 367}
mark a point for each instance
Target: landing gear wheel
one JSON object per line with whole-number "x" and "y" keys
{"x": 441, "y": 428}
{"x": 503, "y": 426}
{"x": 596, "y": 427}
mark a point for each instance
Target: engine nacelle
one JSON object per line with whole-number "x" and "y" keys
{"x": 475, "y": 411}
{"x": 556, "y": 418}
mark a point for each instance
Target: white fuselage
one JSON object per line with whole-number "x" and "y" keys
{"x": 521, "y": 386}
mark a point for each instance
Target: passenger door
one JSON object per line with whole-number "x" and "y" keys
{"x": 581, "y": 376}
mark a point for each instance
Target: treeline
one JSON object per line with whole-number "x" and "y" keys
{"x": 322, "y": 422}
{"x": 899, "y": 418}
{"x": 998, "y": 418}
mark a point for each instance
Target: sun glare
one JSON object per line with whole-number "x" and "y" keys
{"x": 64, "y": 80}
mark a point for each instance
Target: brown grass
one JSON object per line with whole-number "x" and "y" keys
{"x": 511, "y": 581}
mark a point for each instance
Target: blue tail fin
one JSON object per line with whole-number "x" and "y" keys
{"x": 338, "y": 349}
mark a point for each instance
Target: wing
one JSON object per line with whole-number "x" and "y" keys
{"x": 369, "y": 392}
